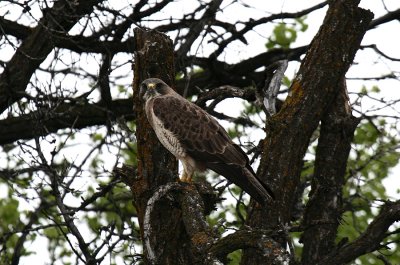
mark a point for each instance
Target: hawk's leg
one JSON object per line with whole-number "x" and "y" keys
{"x": 188, "y": 172}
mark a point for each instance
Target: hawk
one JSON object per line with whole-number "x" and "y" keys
{"x": 195, "y": 138}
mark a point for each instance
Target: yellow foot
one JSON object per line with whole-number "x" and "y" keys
{"x": 186, "y": 178}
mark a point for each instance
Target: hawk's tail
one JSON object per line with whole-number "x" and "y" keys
{"x": 256, "y": 188}
{"x": 246, "y": 179}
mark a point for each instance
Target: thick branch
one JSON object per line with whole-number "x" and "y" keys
{"x": 260, "y": 240}
{"x": 224, "y": 92}
{"x": 243, "y": 74}
{"x": 271, "y": 90}
{"x": 66, "y": 115}
{"x": 81, "y": 44}
{"x": 75, "y": 43}
{"x": 370, "y": 240}
{"x": 324, "y": 208}
{"x": 149, "y": 236}
{"x": 104, "y": 79}
{"x": 9, "y": 27}
{"x": 394, "y": 15}
{"x": 193, "y": 217}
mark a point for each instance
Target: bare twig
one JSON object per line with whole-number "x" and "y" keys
{"x": 54, "y": 180}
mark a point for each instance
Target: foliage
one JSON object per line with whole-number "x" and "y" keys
{"x": 285, "y": 34}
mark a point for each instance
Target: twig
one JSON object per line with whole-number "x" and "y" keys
{"x": 384, "y": 260}
{"x": 54, "y": 179}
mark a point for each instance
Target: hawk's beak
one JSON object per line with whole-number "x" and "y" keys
{"x": 147, "y": 90}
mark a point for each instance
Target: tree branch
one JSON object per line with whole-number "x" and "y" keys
{"x": 393, "y": 15}
{"x": 224, "y": 92}
{"x": 324, "y": 208}
{"x": 370, "y": 240}
{"x": 8, "y": 27}
{"x": 35, "y": 47}
{"x": 75, "y": 43}
{"x": 197, "y": 28}
{"x": 250, "y": 25}
{"x": 242, "y": 74}
{"x": 33, "y": 218}
{"x": 260, "y": 240}
{"x": 194, "y": 200}
{"x": 66, "y": 115}
{"x": 192, "y": 215}
{"x": 90, "y": 259}
{"x": 152, "y": 256}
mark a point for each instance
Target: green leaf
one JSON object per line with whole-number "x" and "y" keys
{"x": 235, "y": 257}
{"x": 284, "y": 34}
{"x": 9, "y": 213}
{"x": 97, "y": 137}
{"x": 375, "y": 89}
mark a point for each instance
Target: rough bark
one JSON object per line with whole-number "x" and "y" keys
{"x": 312, "y": 92}
{"x": 324, "y": 208}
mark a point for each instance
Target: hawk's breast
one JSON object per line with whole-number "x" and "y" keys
{"x": 166, "y": 137}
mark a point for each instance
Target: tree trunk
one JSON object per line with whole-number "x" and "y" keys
{"x": 311, "y": 95}
{"x": 163, "y": 234}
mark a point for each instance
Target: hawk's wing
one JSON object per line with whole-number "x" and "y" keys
{"x": 206, "y": 141}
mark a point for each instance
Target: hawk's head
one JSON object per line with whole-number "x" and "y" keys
{"x": 153, "y": 87}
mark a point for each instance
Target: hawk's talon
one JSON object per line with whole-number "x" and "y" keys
{"x": 185, "y": 177}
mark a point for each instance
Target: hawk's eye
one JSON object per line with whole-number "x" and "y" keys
{"x": 159, "y": 86}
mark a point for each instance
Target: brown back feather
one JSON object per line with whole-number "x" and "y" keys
{"x": 197, "y": 131}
